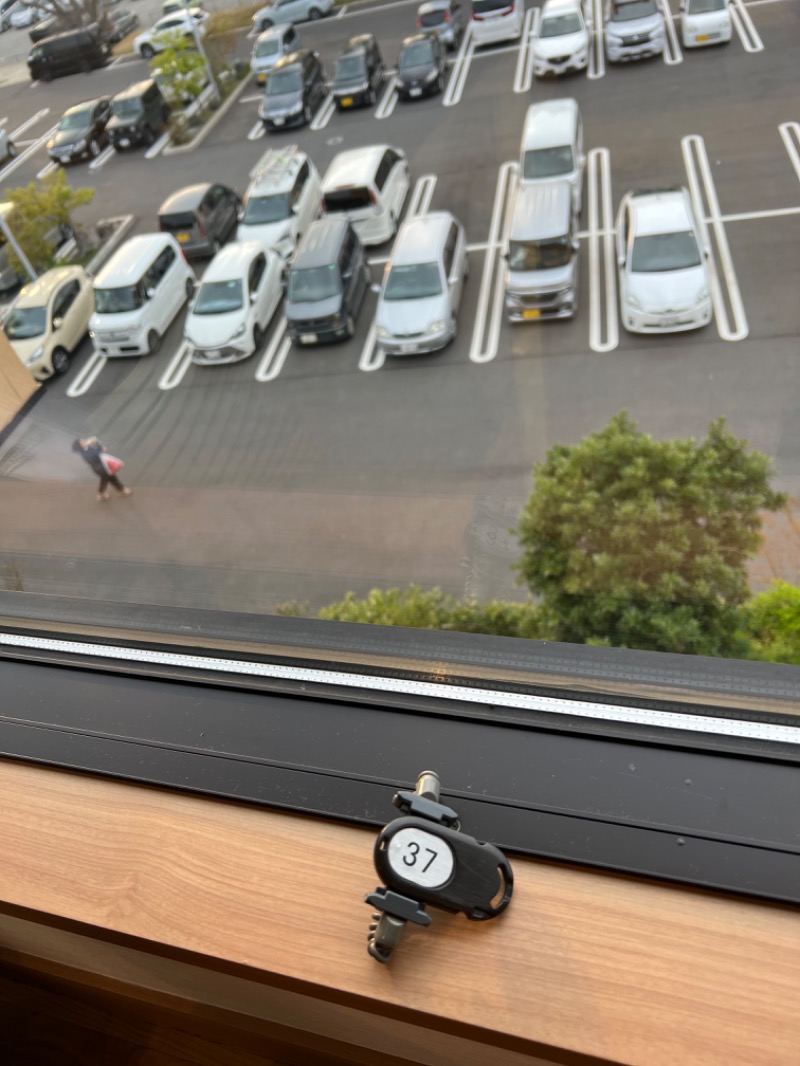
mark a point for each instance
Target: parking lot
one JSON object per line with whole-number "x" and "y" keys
{"x": 351, "y": 470}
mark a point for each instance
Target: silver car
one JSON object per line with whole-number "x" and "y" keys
{"x": 445, "y": 18}
{"x": 281, "y": 11}
{"x": 422, "y": 286}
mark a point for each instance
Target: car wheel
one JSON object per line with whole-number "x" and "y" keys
{"x": 11, "y": 148}
{"x": 94, "y": 148}
{"x": 85, "y": 67}
{"x": 307, "y": 114}
{"x": 266, "y": 24}
{"x": 314, "y": 14}
{"x": 372, "y": 98}
{"x": 148, "y": 136}
{"x": 153, "y": 342}
{"x": 46, "y": 75}
{"x": 453, "y": 329}
{"x": 147, "y": 51}
{"x": 189, "y": 288}
{"x": 216, "y": 246}
{"x": 259, "y": 336}
{"x": 350, "y": 326}
{"x": 60, "y": 360}
{"x": 440, "y": 84}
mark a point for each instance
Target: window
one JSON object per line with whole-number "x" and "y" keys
{"x": 218, "y": 297}
{"x": 349, "y": 69}
{"x": 25, "y": 322}
{"x": 282, "y": 82}
{"x": 703, "y": 7}
{"x": 65, "y": 299}
{"x": 547, "y": 162}
{"x": 418, "y": 54}
{"x": 538, "y": 255}
{"x": 561, "y": 25}
{"x": 348, "y": 252}
{"x": 353, "y": 198}
{"x": 413, "y": 282}
{"x": 489, "y": 7}
{"x": 386, "y": 166}
{"x": 629, "y": 10}
{"x": 256, "y": 272}
{"x": 662, "y": 252}
{"x": 118, "y": 301}
{"x": 298, "y": 188}
{"x": 313, "y": 283}
{"x": 261, "y": 210}
{"x": 158, "y": 270}
{"x": 450, "y": 249}
{"x": 215, "y": 196}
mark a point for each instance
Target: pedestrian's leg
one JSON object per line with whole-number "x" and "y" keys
{"x": 115, "y": 481}
{"x": 102, "y": 491}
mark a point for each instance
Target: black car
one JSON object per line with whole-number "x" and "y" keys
{"x": 138, "y": 114}
{"x": 201, "y": 217}
{"x": 81, "y": 133}
{"x": 119, "y": 24}
{"x": 421, "y": 66}
{"x": 359, "y": 73}
{"x": 295, "y": 88}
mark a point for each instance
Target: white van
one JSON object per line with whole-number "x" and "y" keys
{"x": 496, "y": 20}
{"x": 552, "y": 146}
{"x": 137, "y": 294}
{"x": 369, "y": 186}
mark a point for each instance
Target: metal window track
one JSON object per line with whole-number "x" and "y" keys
{"x": 707, "y": 797}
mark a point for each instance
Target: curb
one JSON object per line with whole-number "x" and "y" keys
{"x": 125, "y": 223}
{"x": 178, "y": 149}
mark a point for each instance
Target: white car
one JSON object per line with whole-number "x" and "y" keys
{"x": 282, "y": 200}
{"x": 705, "y": 22}
{"x": 7, "y": 147}
{"x": 26, "y": 15}
{"x": 561, "y": 43}
{"x": 663, "y": 269}
{"x": 282, "y": 11}
{"x": 238, "y": 296}
{"x": 150, "y": 42}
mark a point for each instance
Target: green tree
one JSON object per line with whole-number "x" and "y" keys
{"x": 180, "y": 69}
{"x": 642, "y": 543}
{"x": 39, "y": 208}
{"x": 772, "y": 623}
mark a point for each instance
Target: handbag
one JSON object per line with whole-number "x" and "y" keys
{"x": 111, "y": 464}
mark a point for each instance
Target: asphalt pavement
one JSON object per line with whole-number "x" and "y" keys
{"x": 342, "y": 472}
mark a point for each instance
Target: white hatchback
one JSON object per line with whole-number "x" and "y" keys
{"x": 663, "y": 268}
{"x": 238, "y": 295}
{"x": 561, "y": 44}
{"x": 705, "y": 22}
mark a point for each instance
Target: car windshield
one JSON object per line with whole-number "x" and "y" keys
{"x": 413, "y": 282}
{"x": 538, "y": 255}
{"x": 284, "y": 81}
{"x": 350, "y": 68}
{"x": 633, "y": 9}
{"x": 117, "y": 301}
{"x": 259, "y": 210}
{"x": 25, "y": 322}
{"x": 418, "y": 54}
{"x": 313, "y": 283}
{"x": 219, "y": 297}
{"x": 560, "y": 25}
{"x": 76, "y": 120}
{"x": 267, "y": 48}
{"x": 127, "y": 108}
{"x": 547, "y": 162}
{"x": 702, "y": 7}
{"x": 661, "y": 252}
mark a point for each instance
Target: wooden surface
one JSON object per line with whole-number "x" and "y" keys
{"x": 631, "y": 971}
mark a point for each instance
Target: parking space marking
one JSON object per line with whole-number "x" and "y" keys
{"x": 87, "y": 377}
{"x": 388, "y": 101}
{"x": 421, "y": 197}
{"x": 32, "y": 148}
{"x": 706, "y": 207}
{"x": 372, "y": 357}
{"x": 523, "y": 75}
{"x": 177, "y": 367}
{"x": 485, "y": 340}
{"x": 672, "y": 53}
{"x": 250, "y": 99}
{"x": 30, "y": 122}
{"x": 743, "y": 24}
{"x": 342, "y": 11}
{"x": 157, "y": 146}
{"x": 754, "y": 216}
{"x": 603, "y": 315}
{"x": 257, "y": 132}
{"x": 47, "y": 169}
{"x": 105, "y": 156}
{"x": 275, "y": 355}
{"x": 597, "y": 47}
{"x": 461, "y": 65}
{"x": 323, "y": 116}
{"x": 790, "y": 135}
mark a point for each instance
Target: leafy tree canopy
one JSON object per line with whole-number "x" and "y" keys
{"x": 772, "y": 622}
{"x": 39, "y": 208}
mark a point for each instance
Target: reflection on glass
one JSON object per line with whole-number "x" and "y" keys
{"x": 218, "y": 297}
{"x": 560, "y": 25}
{"x": 284, "y": 81}
{"x": 547, "y": 162}
{"x": 117, "y": 301}
{"x": 660, "y": 252}
{"x": 25, "y": 322}
{"x": 538, "y": 255}
{"x": 418, "y": 54}
{"x": 413, "y": 282}
{"x": 260, "y": 210}
{"x": 313, "y": 283}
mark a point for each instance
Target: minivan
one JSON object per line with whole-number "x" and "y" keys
{"x": 296, "y": 87}
{"x": 541, "y": 279}
{"x": 73, "y": 52}
{"x": 552, "y": 146}
{"x": 497, "y": 20}
{"x": 359, "y": 73}
{"x": 369, "y": 186}
{"x": 138, "y": 113}
{"x": 138, "y": 293}
{"x": 326, "y": 284}
{"x": 200, "y": 217}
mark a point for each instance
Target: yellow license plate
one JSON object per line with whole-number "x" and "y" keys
{"x": 531, "y": 314}
{"x": 261, "y": 78}
{"x": 702, "y": 37}
{"x": 347, "y": 101}
{"x": 183, "y": 238}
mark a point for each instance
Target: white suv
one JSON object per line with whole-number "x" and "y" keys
{"x": 634, "y": 30}
{"x": 561, "y": 43}
{"x": 663, "y": 271}
{"x": 282, "y": 200}
{"x": 7, "y": 148}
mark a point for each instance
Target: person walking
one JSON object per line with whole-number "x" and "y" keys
{"x": 106, "y": 466}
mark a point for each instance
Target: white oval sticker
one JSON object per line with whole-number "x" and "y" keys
{"x": 421, "y": 858}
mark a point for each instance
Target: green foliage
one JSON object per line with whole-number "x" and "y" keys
{"x": 433, "y": 609}
{"x": 180, "y": 69}
{"x": 39, "y": 207}
{"x": 643, "y": 543}
{"x": 772, "y": 622}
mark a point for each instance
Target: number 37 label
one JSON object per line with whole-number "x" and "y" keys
{"x": 421, "y": 858}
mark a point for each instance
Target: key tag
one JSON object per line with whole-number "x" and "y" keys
{"x": 424, "y": 859}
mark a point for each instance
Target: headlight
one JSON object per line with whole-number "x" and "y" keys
{"x": 238, "y": 332}
{"x": 363, "y": 88}
{"x": 632, "y": 301}
{"x": 78, "y": 146}
{"x": 35, "y": 356}
{"x": 702, "y": 296}
{"x": 436, "y": 327}
{"x": 296, "y": 109}
{"x": 434, "y": 74}
{"x": 382, "y": 331}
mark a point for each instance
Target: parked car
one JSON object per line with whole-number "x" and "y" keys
{"x": 705, "y": 22}
{"x": 290, "y": 11}
{"x": 445, "y": 18}
{"x": 359, "y": 73}
{"x": 423, "y": 285}
{"x": 368, "y": 185}
{"x": 200, "y": 217}
{"x": 421, "y": 66}
{"x": 71, "y": 52}
{"x": 238, "y": 296}
{"x": 296, "y": 86}
{"x": 561, "y": 44}
{"x": 81, "y": 133}
{"x": 169, "y": 7}
{"x": 7, "y": 7}
{"x": 552, "y": 146}
{"x": 45, "y": 28}
{"x": 155, "y": 39}
{"x": 634, "y": 29}
{"x": 327, "y": 283}
{"x": 494, "y": 21}
{"x": 24, "y": 15}
{"x": 663, "y": 271}
{"x": 119, "y": 23}
{"x": 270, "y": 46}
{"x": 281, "y": 201}
{"x": 7, "y": 147}
{"x": 138, "y": 114}
{"x": 49, "y": 319}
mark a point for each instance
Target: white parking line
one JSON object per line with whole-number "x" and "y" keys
{"x": 706, "y": 207}
{"x": 47, "y": 169}
{"x": 257, "y": 131}
{"x": 105, "y": 156}
{"x": 790, "y": 135}
{"x": 743, "y": 24}
{"x": 323, "y": 116}
{"x": 177, "y": 367}
{"x": 342, "y": 10}
{"x": 388, "y": 101}
{"x": 275, "y": 356}
{"x": 32, "y": 148}
{"x": 157, "y": 147}
{"x": 523, "y": 75}
{"x": 458, "y": 75}
{"x": 672, "y": 54}
{"x": 87, "y": 377}
{"x": 484, "y": 341}
{"x": 421, "y": 197}
{"x": 754, "y": 216}
{"x": 250, "y": 99}
{"x": 601, "y": 232}
{"x": 597, "y": 48}
{"x": 30, "y": 122}
{"x": 372, "y": 357}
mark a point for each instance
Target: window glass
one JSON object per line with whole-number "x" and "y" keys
{"x": 547, "y": 162}
{"x": 418, "y": 54}
{"x": 65, "y": 299}
{"x": 662, "y": 252}
{"x": 350, "y": 199}
{"x": 350, "y": 68}
{"x": 633, "y": 9}
{"x": 538, "y": 255}
{"x": 312, "y": 284}
{"x": 281, "y": 82}
{"x": 560, "y": 25}
{"x": 413, "y": 282}
{"x": 117, "y": 301}
{"x": 257, "y": 272}
{"x": 261, "y": 210}
{"x": 218, "y": 297}
{"x": 703, "y": 7}
{"x": 25, "y": 322}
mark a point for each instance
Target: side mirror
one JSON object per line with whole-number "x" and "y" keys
{"x": 150, "y": 293}
{"x": 621, "y": 260}
{"x": 707, "y": 253}
{"x": 58, "y": 323}
{"x": 375, "y": 287}
{"x": 581, "y": 161}
{"x": 576, "y": 245}
{"x": 253, "y": 297}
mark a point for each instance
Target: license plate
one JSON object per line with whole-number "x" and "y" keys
{"x": 415, "y": 92}
{"x": 307, "y": 338}
{"x": 278, "y": 121}
{"x": 347, "y": 101}
{"x": 670, "y": 320}
{"x": 183, "y": 238}
{"x": 531, "y": 313}
{"x": 261, "y": 78}
{"x": 408, "y": 347}
{"x": 124, "y": 142}
{"x": 702, "y": 37}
